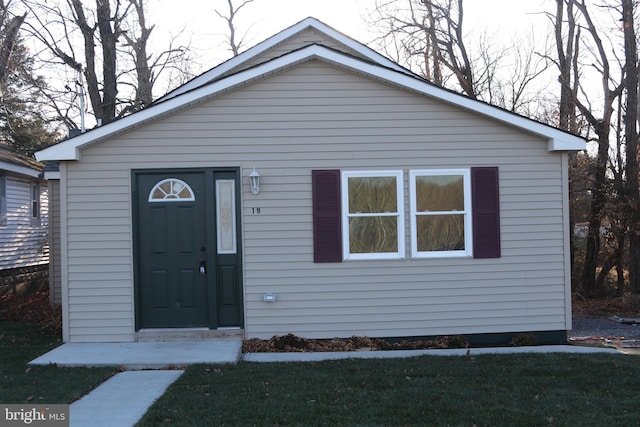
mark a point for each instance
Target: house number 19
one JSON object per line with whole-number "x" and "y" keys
{"x": 255, "y": 211}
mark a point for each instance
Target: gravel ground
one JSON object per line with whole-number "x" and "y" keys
{"x": 602, "y": 331}
{"x": 588, "y": 326}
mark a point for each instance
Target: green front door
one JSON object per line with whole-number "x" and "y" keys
{"x": 187, "y": 253}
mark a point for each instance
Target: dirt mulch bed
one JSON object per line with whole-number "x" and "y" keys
{"x": 627, "y": 305}
{"x": 34, "y": 308}
{"x": 292, "y": 343}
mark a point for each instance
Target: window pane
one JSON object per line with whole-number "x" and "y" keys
{"x": 171, "y": 189}
{"x": 184, "y": 193}
{"x": 372, "y": 194}
{"x": 373, "y": 234}
{"x": 440, "y": 232}
{"x": 440, "y": 193}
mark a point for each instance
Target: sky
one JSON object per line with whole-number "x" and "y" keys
{"x": 264, "y": 18}
{"x": 196, "y": 24}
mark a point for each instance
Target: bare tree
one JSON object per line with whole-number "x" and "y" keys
{"x": 101, "y": 49}
{"x": 8, "y": 38}
{"x": 147, "y": 66}
{"x": 235, "y": 43}
{"x": 24, "y": 125}
{"x": 574, "y": 94}
{"x": 430, "y": 34}
{"x": 631, "y": 139}
{"x": 431, "y": 31}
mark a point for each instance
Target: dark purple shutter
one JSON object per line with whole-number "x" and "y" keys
{"x": 486, "y": 212}
{"x": 327, "y": 231}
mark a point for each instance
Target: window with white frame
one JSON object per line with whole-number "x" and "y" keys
{"x": 373, "y": 220}
{"x": 3, "y": 200}
{"x": 440, "y": 203}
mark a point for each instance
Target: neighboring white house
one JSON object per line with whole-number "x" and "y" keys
{"x": 23, "y": 212}
{"x": 386, "y": 206}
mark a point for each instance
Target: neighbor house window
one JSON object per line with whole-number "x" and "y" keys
{"x": 3, "y": 200}
{"x": 35, "y": 204}
{"x": 440, "y": 203}
{"x": 373, "y": 220}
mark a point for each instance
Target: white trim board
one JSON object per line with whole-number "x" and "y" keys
{"x": 557, "y": 140}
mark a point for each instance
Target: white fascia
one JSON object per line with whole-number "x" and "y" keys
{"x": 70, "y": 149}
{"x": 20, "y": 170}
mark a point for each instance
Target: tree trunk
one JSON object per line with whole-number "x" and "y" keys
{"x": 600, "y": 126}
{"x": 631, "y": 139}
{"x": 138, "y": 44}
{"x": 108, "y": 39}
{"x": 7, "y": 44}
{"x": 598, "y": 200}
{"x": 567, "y": 107}
{"x": 93, "y": 88}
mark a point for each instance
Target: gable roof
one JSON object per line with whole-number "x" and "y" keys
{"x": 371, "y": 66}
{"x": 11, "y": 161}
{"x": 247, "y": 56}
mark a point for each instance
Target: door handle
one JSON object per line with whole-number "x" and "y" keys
{"x": 203, "y": 267}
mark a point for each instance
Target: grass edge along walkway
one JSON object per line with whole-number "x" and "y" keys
{"x": 520, "y": 389}
{"x": 19, "y": 383}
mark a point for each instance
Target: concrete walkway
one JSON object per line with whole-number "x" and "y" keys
{"x": 317, "y": 357}
{"x": 163, "y": 355}
{"x": 122, "y": 400}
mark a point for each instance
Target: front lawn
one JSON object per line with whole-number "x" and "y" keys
{"x": 490, "y": 390}
{"x": 22, "y": 342}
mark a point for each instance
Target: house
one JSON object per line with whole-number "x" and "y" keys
{"x": 312, "y": 186}
{"x": 23, "y": 217}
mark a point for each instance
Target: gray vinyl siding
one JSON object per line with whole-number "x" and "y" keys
{"x": 55, "y": 277}
{"x": 24, "y": 242}
{"x": 316, "y": 116}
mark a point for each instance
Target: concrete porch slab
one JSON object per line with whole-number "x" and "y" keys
{"x": 143, "y": 355}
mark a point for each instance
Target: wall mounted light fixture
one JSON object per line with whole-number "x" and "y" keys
{"x": 254, "y": 180}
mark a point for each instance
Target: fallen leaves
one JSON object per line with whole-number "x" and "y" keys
{"x": 625, "y": 305}
{"x": 293, "y": 343}
{"x": 33, "y": 308}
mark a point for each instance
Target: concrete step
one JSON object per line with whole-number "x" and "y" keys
{"x": 189, "y": 334}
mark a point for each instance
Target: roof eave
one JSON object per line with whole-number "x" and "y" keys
{"x": 67, "y": 150}
{"x": 557, "y": 140}
{"x": 566, "y": 144}
{"x": 20, "y": 170}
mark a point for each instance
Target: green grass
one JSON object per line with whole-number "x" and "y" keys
{"x": 491, "y": 390}
{"x": 19, "y": 383}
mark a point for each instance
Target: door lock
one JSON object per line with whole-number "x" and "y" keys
{"x": 203, "y": 266}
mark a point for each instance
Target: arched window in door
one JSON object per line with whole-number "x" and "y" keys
{"x": 171, "y": 190}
